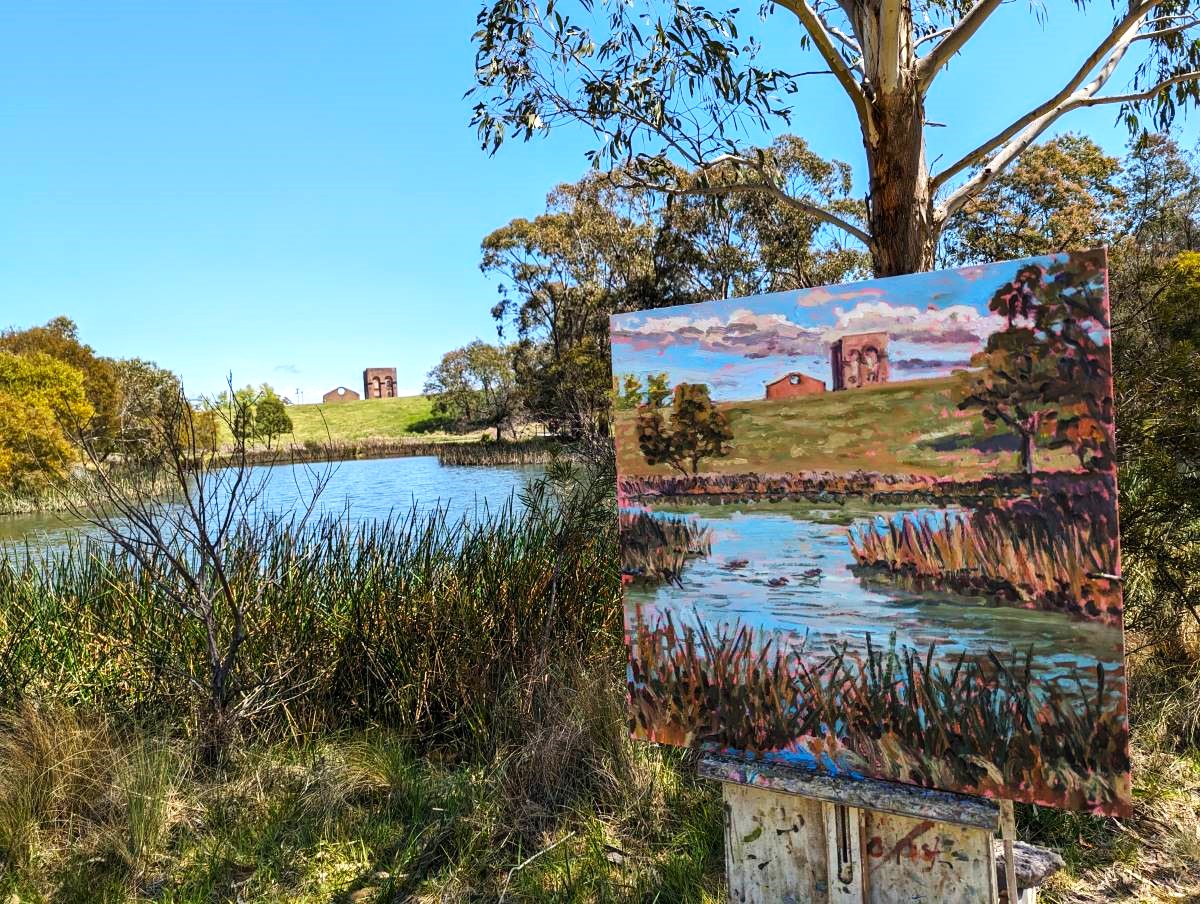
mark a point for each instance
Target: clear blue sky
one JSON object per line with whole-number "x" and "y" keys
{"x": 291, "y": 192}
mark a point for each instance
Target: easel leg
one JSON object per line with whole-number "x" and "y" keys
{"x": 1008, "y": 833}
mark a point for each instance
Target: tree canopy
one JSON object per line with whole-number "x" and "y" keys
{"x": 42, "y": 402}
{"x": 669, "y": 90}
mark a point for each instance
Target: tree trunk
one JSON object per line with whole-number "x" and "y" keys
{"x": 1027, "y": 452}
{"x": 899, "y": 206}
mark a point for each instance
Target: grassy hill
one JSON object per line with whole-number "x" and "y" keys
{"x": 364, "y": 419}
{"x": 911, "y": 427}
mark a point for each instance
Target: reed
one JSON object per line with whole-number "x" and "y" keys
{"x": 983, "y": 725}
{"x": 419, "y": 621}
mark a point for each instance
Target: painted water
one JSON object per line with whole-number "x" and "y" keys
{"x": 365, "y": 490}
{"x": 788, "y": 569}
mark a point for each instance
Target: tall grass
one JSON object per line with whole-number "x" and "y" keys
{"x": 422, "y": 622}
{"x": 982, "y": 725}
{"x": 448, "y": 452}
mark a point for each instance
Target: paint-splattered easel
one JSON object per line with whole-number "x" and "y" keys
{"x": 796, "y": 836}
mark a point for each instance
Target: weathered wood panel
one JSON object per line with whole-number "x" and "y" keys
{"x": 926, "y": 862}
{"x": 774, "y": 847}
{"x": 890, "y": 797}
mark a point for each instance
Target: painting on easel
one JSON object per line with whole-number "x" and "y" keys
{"x": 871, "y": 529}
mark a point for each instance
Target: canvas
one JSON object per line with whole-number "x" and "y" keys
{"x": 871, "y": 529}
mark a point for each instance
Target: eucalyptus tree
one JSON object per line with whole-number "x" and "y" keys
{"x": 670, "y": 85}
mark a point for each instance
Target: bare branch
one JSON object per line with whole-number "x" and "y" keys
{"x": 1112, "y": 48}
{"x": 1148, "y": 94}
{"x": 1084, "y": 98}
{"x": 823, "y": 39}
{"x": 953, "y": 42}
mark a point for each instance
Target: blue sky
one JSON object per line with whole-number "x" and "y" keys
{"x": 291, "y": 192}
{"x": 934, "y": 323}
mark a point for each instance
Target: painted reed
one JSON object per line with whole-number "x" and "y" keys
{"x": 1015, "y": 552}
{"x": 978, "y": 725}
{"x": 655, "y": 548}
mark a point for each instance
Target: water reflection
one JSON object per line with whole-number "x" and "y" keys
{"x": 365, "y": 490}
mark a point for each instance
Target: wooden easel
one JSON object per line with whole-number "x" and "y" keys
{"x": 797, "y": 836}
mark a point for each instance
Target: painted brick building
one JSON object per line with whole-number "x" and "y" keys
{"x": 794, "y": 384}
{"x": 379, "y": 383}
{"x": 859, "y": 360}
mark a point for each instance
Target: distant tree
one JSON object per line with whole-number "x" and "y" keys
{"x": 491, "y": 369}
{"x": 697, "y": 430}
{"x": 271, "y": 419}
{"x": 1063, "y": 194}
{"x": 42, "y": 402}
{"x": 475, "y": 384}
{"x": 449, "y": 384}
{"x": 1047, "y": 372}
{"x": 60, "y": 339}
{"x": 239, "y": 409}
{"x": 204, "y": 426}
{"x": 147, "y": 391}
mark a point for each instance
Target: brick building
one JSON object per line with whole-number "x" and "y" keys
{"x": 794, "y": 384}
{"x": 858, "y": 360}
{"x": 379, "y": 383}
{"x": 340, "y": 394}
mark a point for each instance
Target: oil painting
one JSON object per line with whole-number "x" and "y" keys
{"x": 871, "y": 530}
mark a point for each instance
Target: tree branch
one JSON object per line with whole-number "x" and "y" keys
{"x": 953, "y": 42}
{"x": 1115, "y": 43}
{"x": 823, "y": 39}
{"x": 889, "y": 46}
{"x": 766, "y": 187}
{"x": 1084, "y": 98}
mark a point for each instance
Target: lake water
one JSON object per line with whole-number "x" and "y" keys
{"x": 368, "y": 489}
{"x": 825, "y": 602}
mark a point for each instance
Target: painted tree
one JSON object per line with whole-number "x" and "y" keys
{"x": 1039, "y": 375}
{"x": 697, "y": 430}
{"x": 668, "y": 84}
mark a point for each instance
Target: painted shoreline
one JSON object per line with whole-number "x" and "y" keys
{"x": 870, "y": 487}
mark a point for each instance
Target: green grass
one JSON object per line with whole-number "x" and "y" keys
{"x": 912, "y": 427}
{"x": 365, "y": 419}
{"x": 91, "y": 812}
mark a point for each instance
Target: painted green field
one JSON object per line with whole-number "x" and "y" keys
{"x": 912, "y": 427}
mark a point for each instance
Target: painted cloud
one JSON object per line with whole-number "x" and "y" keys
{"x": 755, "y": 335}
{"x": 745, "y": 333}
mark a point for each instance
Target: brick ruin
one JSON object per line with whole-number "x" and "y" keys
{"x": 340, "y": 394}
{"x": 379, "y": 383}
{"x": 859, "y": 360}
{"x": 794, "y": 384}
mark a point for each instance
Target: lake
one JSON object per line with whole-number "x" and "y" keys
{"x": 367, "y": 489}
{"x": 807, "y": 546}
